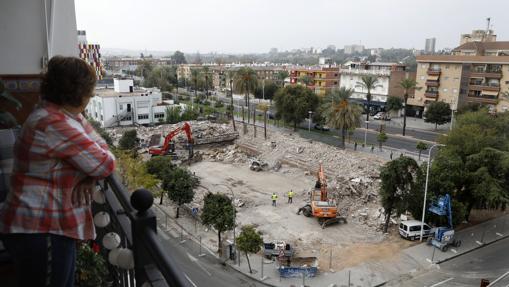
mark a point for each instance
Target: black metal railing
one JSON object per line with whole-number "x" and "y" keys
{"x": 133, "y": 220}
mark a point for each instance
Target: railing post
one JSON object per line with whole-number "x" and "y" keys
{"x": 141, "y": 200}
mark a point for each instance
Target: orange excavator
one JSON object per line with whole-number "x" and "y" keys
{"x": 168, "y": 147}
{"x": 321, "y": 206}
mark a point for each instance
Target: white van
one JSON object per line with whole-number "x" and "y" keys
{"x": 411, "y": 229}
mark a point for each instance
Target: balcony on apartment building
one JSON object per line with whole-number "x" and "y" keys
{"x": 486, "y": 71}
{"x": 434, "y": 71}
{"x": 431, "y": 94}
{"x": 483, "y": 97}
{"x": 479, "y": 85}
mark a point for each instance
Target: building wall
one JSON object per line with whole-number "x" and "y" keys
{"x": 395, "y": 88}
{"x": 503, "y": 102}
{"x": 123, "y": 85}
{"x": 23, "y": 34}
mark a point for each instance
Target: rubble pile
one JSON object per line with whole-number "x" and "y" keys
{"x": 229, "y": 154}
{"x": 353, "y": 177}
{"x": 200, "y": 129}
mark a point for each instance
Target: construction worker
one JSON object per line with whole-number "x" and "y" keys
{"x": 290, "y": 196}
{"x": 274, "y": 198}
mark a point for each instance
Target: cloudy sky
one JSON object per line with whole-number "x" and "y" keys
{"x": 246, "y": 26}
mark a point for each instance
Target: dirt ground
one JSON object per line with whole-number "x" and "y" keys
{"x": 352, "y": 243}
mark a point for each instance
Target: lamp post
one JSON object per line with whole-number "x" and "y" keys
{"x": 426, "y": 187}
{"x": 309, "y": 123}
{"x": 263, "y": 90}
{"x": 366, "y": 133}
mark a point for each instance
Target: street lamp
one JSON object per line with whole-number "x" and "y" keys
{"x": 309, "y": 123}
{"x": 366, "y": 133}
{"x": 426, "y": 187}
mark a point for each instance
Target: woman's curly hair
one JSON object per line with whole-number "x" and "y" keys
{"x": 68, "y": 81}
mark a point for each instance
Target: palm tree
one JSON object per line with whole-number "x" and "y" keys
{"x": 195, "y": 78}
{"x": 206, "y": 72}
{"x": 231, "y": 75}
{"x": 369, "y": 83}
{"x": 246, "y": 81}
{"x": 407, "y": 85}
{"x": 340, "y": 113}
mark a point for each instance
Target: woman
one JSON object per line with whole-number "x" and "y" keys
{"x": 57, "y": 159}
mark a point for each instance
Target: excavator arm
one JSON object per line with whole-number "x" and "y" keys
{"x": 169, "y": 137}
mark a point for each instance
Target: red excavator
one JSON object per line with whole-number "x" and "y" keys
{"x": 168, "y": 148}
{"x": 321, "y": 206}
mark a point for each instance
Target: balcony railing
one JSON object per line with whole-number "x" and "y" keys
{"x": 486, "y": 74}
{"x": 484, "y": 99}
{"x": 430, "y": 83}
{"x": 431, "y": 94}
{"x": 484, "y": 87}
{"x": 135, "y": 223}
{"x": 434, "y": 71}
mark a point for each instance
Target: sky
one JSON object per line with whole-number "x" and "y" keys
{"x": 256, "y": 26}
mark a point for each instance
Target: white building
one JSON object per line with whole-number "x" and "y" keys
{"x": 350, "y": 49}
{"x": 389, "y": 76}
{"x": 126, "y": 105}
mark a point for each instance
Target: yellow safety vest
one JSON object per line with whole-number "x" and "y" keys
{"x": 290, "y": 194}
{"x": 274, "y": 197}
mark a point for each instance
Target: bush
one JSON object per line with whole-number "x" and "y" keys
{"x": 218, "y": 104}
{"x": 90, "y": 268}
{"x": 206, "y": 103}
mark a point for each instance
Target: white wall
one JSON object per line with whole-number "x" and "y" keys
{"x": 380, "y": 94}
{"x": 23, "y": 33}
{"x": 123, "y": 86}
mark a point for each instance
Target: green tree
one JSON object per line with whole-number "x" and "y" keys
{"x": 179, "y": 183}
{"x": 144, "y": 69}
{"x": 246, "y": 81}
{"x": 219, "y": 212}
{"x": 438, "y": 113}
{"x": 173, "y": 114}
{"x": 134, "y": 172}
{"x": 306, "y": 80}
{"x": 249, "y": 241}
{"x": 163, "y": 77}
{"x": 369, "y": 83}
{"x": 472, "y": 166}
{"x": 421, "y": 147}
{"x": 101, "y": 131}
{"x": 158, "y": 166}
{"x": 394, "y": 103}
{"x": 266, "y": 91}
{"x": 231, "y": 76}
{"x": 381, "y": 138}
{"x": 178, "y": 58}
{"x": 407, "y": 84}
{"x": 129, "y": 140}
{"x": 340, "y": 113}
{"x": 294, "y": 102}
{"x": 91, "y": 268}
{"x": 281, "y": 77}
{"x": 398, "y": 179}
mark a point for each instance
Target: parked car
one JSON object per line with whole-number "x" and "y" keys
{"x": 411, "y": 229}
{"x": 321, "y": 128}
{"x": 382, "y": 116}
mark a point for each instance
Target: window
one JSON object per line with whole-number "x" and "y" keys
{"x": 159, "y": 115}
{"x": 415, "y": 228}
{"x": 128, "y": 118}
{"x": 121, "y": 107}
{"x": 102, "y": 118}
{"x": 143, "y": 117}
{"x": 445, "y": 90}
{"x": 455, "y": 91}
{"x": 446, "y": 67}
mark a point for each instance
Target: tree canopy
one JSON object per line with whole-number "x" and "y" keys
{"x": 473, "y": 165}
{"x": 249, "y": 241}
{"x": 394, "y": 103}
{"x": 294, "y": 102}
{"x": 129, "y": 140}
{"x": 219, "y": 212}
{"x": 267, "y": 90}
{"x": 399, "y": 178}
{"x": 340, "y": 113}
{"x": 438, "y": 113}
{"x": 178, "y": 58}
{"x": 179, "y": 183}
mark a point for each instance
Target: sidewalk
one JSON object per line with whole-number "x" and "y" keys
{"x": 389, "y": 272}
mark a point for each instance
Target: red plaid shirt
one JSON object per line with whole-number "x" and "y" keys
{"x": 55, "y": 151}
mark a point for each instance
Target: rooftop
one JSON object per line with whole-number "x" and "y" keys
{"x": 476, "y": 45}
{"x": 110, "y": 92}
{"x": 463, "y": 59}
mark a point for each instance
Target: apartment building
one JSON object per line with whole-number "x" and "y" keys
{"x": 125, "y": 105}
{"x": 120, "y": 65}
{"x": 90, "y": 53}
{"x": 429, "y": 47}
{"x": 389, "y": 77}
{"x": 322, "y": 79}
{"x": 350, "y": 49}
{"x": 478, "y": 36}
{"x": 476, "y": 73}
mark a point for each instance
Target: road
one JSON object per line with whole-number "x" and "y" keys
{"x": 202, "y": 271}
{"x": 488, "y": 262}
